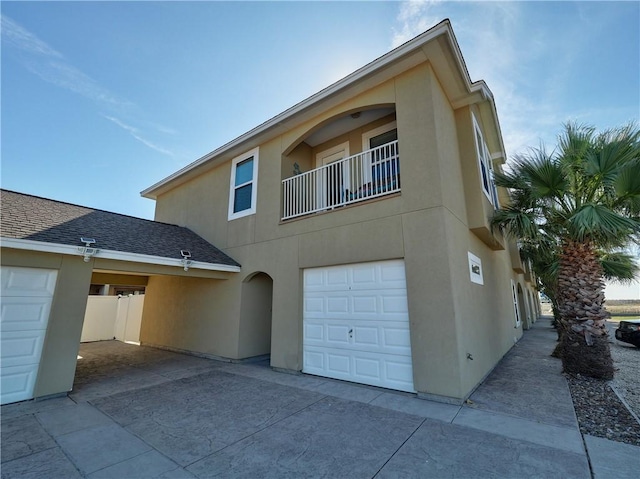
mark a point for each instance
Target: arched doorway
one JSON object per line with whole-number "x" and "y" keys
{"x": 255, "y": 316}
{"x": 524, "y": 310}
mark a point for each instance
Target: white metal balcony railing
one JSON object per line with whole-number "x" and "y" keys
{"x": 369, "y": 174}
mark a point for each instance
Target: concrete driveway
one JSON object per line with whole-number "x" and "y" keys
{"x": 142, "y": 412}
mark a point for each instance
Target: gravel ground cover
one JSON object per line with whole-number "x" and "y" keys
{"x": 599, "y": 410}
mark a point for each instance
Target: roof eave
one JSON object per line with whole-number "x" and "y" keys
{"x": 442, "y": 28}
{"x": 60, "y": 248}
{"x": 471, "y": 92}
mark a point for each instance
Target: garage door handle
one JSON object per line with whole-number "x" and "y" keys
{"x": 351, "y": 333}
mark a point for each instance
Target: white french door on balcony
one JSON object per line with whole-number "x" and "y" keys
{"x": 333, "y": 182}
{"x": 383, "y": 168}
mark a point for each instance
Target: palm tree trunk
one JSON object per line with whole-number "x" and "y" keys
{"x": 584, "y": 343}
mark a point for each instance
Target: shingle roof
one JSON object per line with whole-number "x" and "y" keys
{"x": 40, "y": 219}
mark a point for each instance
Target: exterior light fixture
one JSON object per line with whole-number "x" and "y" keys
{"x": 186, "y": 262}
{"x": 87, "y": 250}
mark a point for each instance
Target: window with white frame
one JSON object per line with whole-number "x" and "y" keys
{"x": 516, "y": 306}
{"x": 486, "y": 166}
{"x": 383, "y": 161}
{"x": 243, "y": 185}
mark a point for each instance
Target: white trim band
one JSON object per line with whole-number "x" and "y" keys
{"x": 111, "y": 254}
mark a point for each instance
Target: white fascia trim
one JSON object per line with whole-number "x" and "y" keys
{"x": 110, "y": 254}
{"x": 482, "y": 87}
{"x": 443, "y": 28}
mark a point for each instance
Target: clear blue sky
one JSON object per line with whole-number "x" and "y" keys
{"x": 101, "y": 100}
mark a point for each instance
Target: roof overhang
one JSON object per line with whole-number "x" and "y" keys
{"x": 59, "y": 248}
{"x": 437, "y": 45}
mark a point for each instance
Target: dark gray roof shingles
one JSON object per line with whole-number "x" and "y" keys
{"x": 39, "y": 219}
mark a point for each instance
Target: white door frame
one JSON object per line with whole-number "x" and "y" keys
{"x": 324, "y": 158}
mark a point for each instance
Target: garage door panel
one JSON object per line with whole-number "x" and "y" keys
{"x": 21, "y": 348}
{"x": 314, "y": 332}
{"x": 356, "y": 319}
{"x": 393, "y": 273}
{"x": 399, "y": 372}
{"x": 24, "y": 313}
{"x": 382, "y": 305}
{"x": 314, "y": 361}
{"x": 17, "y": 281}
{"x": 365, "y": 368}
{"x": 372, "y": 336}
{"x": 336, "y": 277}
{"x": 392, "y": 304}
{"x": 27, "y": 295}
{"x": 338, "y": 363}
{"x": 367, "y": 276}
{"x": 398, "y": 338}
{"x": 366, "y": 336}
{"x": 338, "y": 305}
{"x": 314, "y": 305}
{"x": 364, "y": 275}
{"x": 337, "y": 335}
{"x": 17, "y": 382}
{"x": 365, "y": 303}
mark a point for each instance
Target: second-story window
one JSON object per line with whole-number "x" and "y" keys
{"x": 486, "y": 166}
{"x": 243, "y": 186}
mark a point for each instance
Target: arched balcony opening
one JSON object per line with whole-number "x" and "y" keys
{"x": 351, "y": 158}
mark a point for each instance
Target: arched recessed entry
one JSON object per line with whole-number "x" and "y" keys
{"x": 532, "y": 308}
{"x": 522, "y": 306}
{"x": 255, "y": 316}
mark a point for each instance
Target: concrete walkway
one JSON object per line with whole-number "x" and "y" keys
{"x": 141, "y": 412}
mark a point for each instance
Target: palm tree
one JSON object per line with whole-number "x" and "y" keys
{"x": 579, "y": 200}
{"x": 544, "y": 258}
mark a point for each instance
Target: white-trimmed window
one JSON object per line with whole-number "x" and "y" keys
{"x": 383, "y": 163}
{"x": 244, "y": 185}
{"x": 486, "y": 166}
{"x": 516, "y": 305}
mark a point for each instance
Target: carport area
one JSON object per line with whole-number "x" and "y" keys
{"x": 54, "y": 254}
{"x": 105, "y": 368}
{"x": 143, "y": 412}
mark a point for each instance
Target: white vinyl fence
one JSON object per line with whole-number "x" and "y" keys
{"x": 113, "y": 317}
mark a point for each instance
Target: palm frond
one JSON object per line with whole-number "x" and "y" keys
{"x": 546, "y": 177}
{"x": 599, "y": 223}
{"x": 516, "y": 223}
{"x": 627, "y": 188}
{"x": 619, "y": 267}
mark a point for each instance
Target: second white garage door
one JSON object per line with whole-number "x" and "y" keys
{"x": 26, "y": 301}
{"x": 356, "y": 324}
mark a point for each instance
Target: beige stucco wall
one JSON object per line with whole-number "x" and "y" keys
{"x": 192, "y": 314}
{"x": 62, "y": 339}
{"x": 428, "y": 224}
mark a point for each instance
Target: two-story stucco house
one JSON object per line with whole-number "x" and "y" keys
{"x": 361, "y": 221}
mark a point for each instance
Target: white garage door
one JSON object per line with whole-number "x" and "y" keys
{"x": 356, "y": 324}
{"x": 26, "y": 301}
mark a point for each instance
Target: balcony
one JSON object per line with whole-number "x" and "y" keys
{"x": 370, "y": 174}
